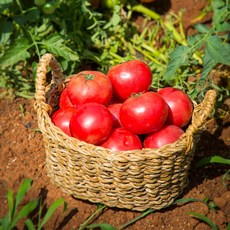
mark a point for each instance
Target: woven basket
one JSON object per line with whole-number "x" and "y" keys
{"x": 136, "y": 179}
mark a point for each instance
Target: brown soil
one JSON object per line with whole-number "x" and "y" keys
{"x": 23, "y": 156}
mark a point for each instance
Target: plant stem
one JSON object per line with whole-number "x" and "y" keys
{"x": 92, "y": 217}
{"x": 35, "y": 44}
{"x": 142, "y": 9}
{"x": 20, "y": 6}
{"x": 144, "y": 214}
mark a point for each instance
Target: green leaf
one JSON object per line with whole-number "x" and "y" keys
{"x": 25, "y": 211}
{"x": 201, "y": 28}
{"x": 212, "y": 159}
{"x": 17, "y": 52}
{"x": 223, "y": 27}
{"x": 55, "y": 46}
{"x": 51, "y": 210}
{"x": 220, "y": 12}
{"x": 178, "y": 58}
{"x": 103, "y": 226}
{"x": 6, "y": 29}
{"x": 218, "y": 49}
{"x": 196, "y": 41}
{"x": 186, "y": 200}
{"x": 4, "y": 4}
{"x": 32, "y": 15}
{"x": 23, "y": 189}
{"x": 4, "y": 222}
{"x": 29, "y": 224}
{"x": 11, "y": 206}
{"x": 115, "y": 19}
{"x": 204, "y": 218}
{"x": 216, "y": 52}
{"x": 228, "y": 227}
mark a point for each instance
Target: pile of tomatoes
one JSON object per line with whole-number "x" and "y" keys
{"x": 119, "y": 111}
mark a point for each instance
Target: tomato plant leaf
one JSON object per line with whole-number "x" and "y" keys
{"x": 201, "y": 28}
{"x": 179, "y": 57}
{"x": 4, "y": 4}
{"x": 223, "y": 27}
{"x": 6, "y": 29}
{"x": 30, "y": 16}
{"x": 220, "y": 12}
{"x": 216, "y": 52}
{"x": 55, "y": 45}
{"x": 196, "y": 40}
{"x": 15, "y": 53}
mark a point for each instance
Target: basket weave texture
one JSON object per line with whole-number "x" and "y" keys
{"x": 136, "y": 179}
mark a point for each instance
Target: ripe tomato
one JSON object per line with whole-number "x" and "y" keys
{"x": 115, "y": 111}
{"x": 89, "y": 86}
{"x": 130, "y": 77}
{"x": 168, "y": 134}
{"x": 91, "y": 123}
{"x": 61, "y": 118}
{"x": 121, "y": 139}
{"x": 144, "y": 113}
{"x": 180, "y": 106}
{"x": 64, "y": 101}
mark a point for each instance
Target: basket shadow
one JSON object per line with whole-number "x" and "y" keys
{"x": 210, "y": 144}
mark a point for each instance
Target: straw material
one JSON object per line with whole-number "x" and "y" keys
{"x": 136, "y": 179}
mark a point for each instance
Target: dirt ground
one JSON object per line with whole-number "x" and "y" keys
{"x": 22, "y": 156}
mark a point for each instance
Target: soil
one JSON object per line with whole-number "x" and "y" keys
{"x": 23, "y": 156}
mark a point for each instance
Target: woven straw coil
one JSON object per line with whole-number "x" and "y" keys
{"x": 136, "y": 179}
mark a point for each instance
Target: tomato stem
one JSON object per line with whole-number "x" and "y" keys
{"x": 88, "y": 76}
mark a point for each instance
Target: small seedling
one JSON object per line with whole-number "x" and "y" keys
{"x": 14, "y": 215}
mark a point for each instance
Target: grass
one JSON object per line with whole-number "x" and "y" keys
{"x": 15, "y": 215}
{"x": 26, "y": 214}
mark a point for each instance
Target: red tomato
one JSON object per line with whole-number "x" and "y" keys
{"x": 121, "y": 139}
{"x": 130, "y": 77}
{"x": 180, "y": 106}
{"x": 64, "y": 101}
{"x": 61, "y": 118}
{"x": 168, "y": 134}
{"x": 91, "y": 123}
{"x": 144, "y": 113}
{"x": 115, "y": 111}
{"x": 89, "y": 86}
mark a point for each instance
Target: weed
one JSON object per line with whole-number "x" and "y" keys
{"x": 14, "y": 215}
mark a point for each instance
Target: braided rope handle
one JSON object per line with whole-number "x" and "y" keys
{"x": 46, "y": 61}
{"x": 203, "y": 110}
{"x": 201, "y": 114}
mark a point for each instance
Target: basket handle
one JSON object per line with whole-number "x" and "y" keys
{"x": 46, "y": 61}
{"x": 200, "y": 115}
